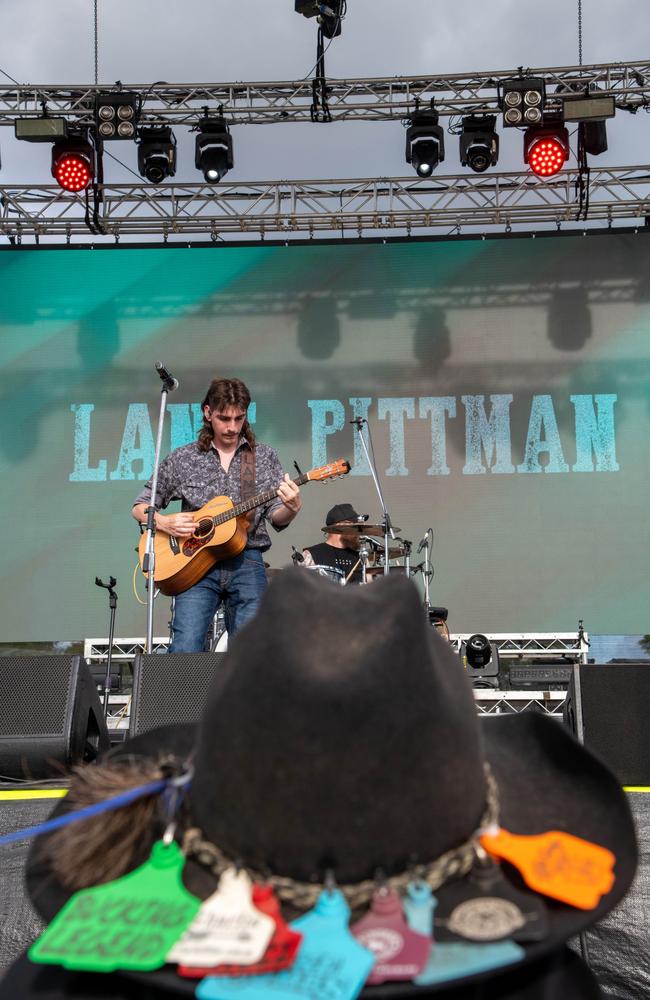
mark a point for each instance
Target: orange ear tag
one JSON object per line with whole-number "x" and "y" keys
{"x": 556, "y": 864}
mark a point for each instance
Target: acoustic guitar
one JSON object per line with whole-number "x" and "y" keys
{"x": 221, "y": 532}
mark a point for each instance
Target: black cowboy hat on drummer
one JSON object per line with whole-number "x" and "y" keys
{"x": 337, "y": 557}
{"x": 339, "y": 766}
{"x": 343, "y": 512}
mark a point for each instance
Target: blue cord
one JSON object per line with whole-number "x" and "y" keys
{"x": 100, "y": 807}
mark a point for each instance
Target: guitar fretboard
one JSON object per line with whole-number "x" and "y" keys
{"x": 257, "y": 501}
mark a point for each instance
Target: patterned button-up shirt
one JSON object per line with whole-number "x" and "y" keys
{"x": 194, "y": 477}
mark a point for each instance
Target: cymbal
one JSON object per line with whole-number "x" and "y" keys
{"x": 379, "y": 570}
{"x": 357, "y": 529}
{"x": 394, "y": 552}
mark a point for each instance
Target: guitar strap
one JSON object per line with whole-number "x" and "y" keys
{"x": 247, "y": 473}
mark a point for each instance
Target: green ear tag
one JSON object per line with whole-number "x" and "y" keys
{"x": 130, "y": 923}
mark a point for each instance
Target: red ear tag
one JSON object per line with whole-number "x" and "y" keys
{"x": 557, "y": 864}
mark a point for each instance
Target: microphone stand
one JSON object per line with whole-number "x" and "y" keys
{"x": 425, "y": 574}
{"x": 112, "y": 603}
{"x": 149, "y": 561}
{"x": 388, "y": 527}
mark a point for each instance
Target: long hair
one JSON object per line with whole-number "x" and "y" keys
{"x": 222, "y": 393}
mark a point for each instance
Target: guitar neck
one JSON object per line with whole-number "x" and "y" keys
{"x": 257, "y": 501}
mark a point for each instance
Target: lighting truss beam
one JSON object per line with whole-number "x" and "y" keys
{"x": 374, "y": 98}
{"x": 280, "y": 209}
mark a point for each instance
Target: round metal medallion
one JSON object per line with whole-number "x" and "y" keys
{"x": 487, "y": 918}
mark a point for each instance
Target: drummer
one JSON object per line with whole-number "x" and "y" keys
{"x": 340, "y": 550}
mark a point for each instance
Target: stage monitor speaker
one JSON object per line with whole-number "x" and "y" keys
{"x": 50, "y": 716}
{"x": 608, "y": 708}
{"x": 170, "y": 688}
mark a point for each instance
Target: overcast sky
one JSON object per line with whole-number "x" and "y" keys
{"x": 141, "y": 41}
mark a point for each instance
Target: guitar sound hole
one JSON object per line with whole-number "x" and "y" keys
{"x": 203, "y": 528}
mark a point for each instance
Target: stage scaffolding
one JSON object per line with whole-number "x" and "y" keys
{"x": 286, "y": 210}
{"x": 320, "y": 209}
{"x": 520, "y": 647}
{"x": 357, "y": 99}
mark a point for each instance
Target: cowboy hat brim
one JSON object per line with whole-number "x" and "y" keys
{"x": 546, "y": 781}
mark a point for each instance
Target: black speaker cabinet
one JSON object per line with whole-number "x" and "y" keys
{"x": 50, "y": 716}
{"x": 170, "y": 688}
{"x": 608, "y": 708}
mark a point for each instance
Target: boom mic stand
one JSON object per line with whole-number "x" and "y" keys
{"x": 388, "y": 527}
{"x": 112, "y": 603}
{"x": 149, "y": 561}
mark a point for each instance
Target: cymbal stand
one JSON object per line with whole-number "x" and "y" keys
{"x": 388, "y": 527}
{"x": 364, "y": 552}
{"x": 407, "y": 558}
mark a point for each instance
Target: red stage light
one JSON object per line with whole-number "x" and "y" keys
{"x": 73, "y": 164}
{"x": 546, "y": 157}
{"x": 73, "y": 172}
{"x": 546, "y": 150}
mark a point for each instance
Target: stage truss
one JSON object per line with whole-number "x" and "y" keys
{"x": 520, "y": 647}
{"x": 321, "y": 209}
{"x": 285, "y": 210}
{"x": 361, "y": 99}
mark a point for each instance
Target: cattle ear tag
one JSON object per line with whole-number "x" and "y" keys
{"x": 556, "y": 864}
{"x": 227, "y": 929}
{"x": 330, "y": 962}
{"x": 484, "y": 907}
{"x": 280, "y": 953}
{"x": 130, "y": 923}
{"x": 400, "y": 952}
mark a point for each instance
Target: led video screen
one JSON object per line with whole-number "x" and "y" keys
{"x": 505, "y": 383}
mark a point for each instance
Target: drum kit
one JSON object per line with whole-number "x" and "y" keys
{"x": 371, "y": 564}
{"x": 372, "y": 553}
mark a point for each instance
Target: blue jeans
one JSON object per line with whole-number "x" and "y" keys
{"x": 237, "y": 583}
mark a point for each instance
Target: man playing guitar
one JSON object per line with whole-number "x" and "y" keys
{"x": 225, "y": 460}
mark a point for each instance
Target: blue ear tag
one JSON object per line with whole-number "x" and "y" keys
{"x": 454, "y": 960}
{"x": 419, "y": 904}
{"x": 330, "y": 965}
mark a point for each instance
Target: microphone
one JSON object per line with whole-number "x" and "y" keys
{"x": 424, "y": 541}
{"x": 169, "y": 381}
{"x": 359, "y": 421}
{"x": 296, "y": 556}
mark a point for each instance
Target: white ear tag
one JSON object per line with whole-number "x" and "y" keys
{"x": 227, "y": 929}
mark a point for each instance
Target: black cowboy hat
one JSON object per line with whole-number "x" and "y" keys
{"x": 343, "y": 512}
{"x": 341, "y": 734}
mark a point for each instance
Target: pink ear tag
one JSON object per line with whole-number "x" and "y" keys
{"x": 400, "y": 953}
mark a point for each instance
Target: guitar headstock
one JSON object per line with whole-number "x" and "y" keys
{"x": 339, "y": 468}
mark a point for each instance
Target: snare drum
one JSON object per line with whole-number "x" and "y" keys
{"x": 331, "y": 572}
